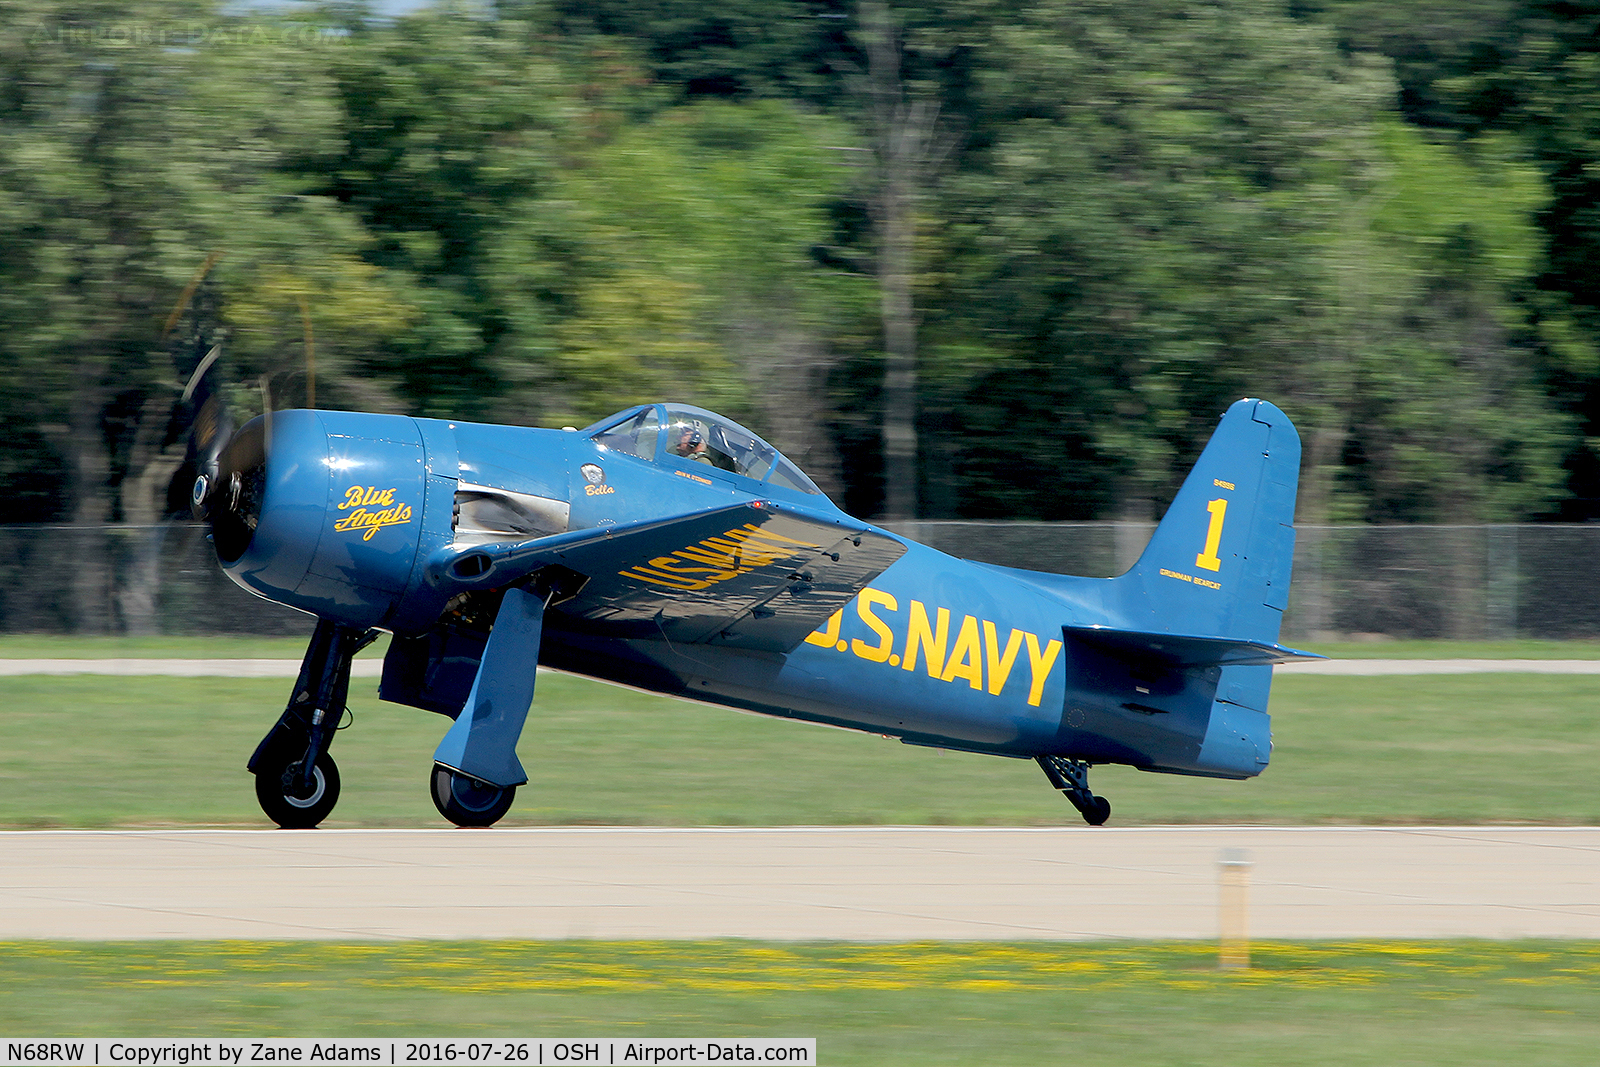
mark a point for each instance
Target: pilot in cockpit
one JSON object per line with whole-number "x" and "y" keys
{"x": 692, "y": 445}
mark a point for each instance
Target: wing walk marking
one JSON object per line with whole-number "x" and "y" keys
{"x": 717, "y": 559}
{"x": 976, "y": 653}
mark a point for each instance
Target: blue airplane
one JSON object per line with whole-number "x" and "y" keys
{"x": 672, "y": 550}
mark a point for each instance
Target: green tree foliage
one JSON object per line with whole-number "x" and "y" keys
{"x": 739, "y": 49}
{"x": 135, "y": 140}
{"x": 1447, "y": 421}
{"x": 1143, "y": 238}
{"x": 1440, "y": 50}
{"x": 449, "y": 127}
{"x": 574, "y": 239}
{"x": 1524, "y": 69}
{"x": 1181, "y": 204}
{"x": 1548, "y": 88}
{"x": 1380, "y": 217}
{"x": 692, "y": 235}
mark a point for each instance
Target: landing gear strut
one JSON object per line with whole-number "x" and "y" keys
{"x": 297, "y": 783}
{"x": 1072, "y": 778}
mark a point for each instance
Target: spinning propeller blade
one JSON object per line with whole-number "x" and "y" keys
{"x": 210, "y": 430}
{"x": 230, "y": 464}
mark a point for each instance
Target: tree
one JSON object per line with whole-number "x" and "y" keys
{"x": 1173, "y": 206}
{"x": 691, "y": 272}
{"x": 856, "y": 61}
{"x": 1524, "y": 68}
{"x": 901, "y": 124}
{"x": 1442, "y": 416}
{"x": 1134, "y": 241}
{"x": 451, "y": 129}
{"x": 135, "y": 140}
{"x": 735, "y": 50}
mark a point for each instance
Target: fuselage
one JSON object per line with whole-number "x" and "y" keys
{"x": 935, "y": 650}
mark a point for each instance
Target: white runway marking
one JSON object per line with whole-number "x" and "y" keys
{"x": 182, "y": 668}
{"x": 373, "y": 668}
{"x": 1441, "y": 666}
{"x": 859, "y": 883}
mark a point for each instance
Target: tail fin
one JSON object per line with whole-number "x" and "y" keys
{"x": 1203, "y": 606}
{"x": 1218, "y": 565}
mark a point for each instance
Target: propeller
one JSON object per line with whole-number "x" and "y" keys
{"x": 210, "y": 429}
{"x": 230, "y": 465}
{"x": 229, "y": 462}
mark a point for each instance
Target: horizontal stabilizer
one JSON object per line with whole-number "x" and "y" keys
{"x": 1187, "y": 650}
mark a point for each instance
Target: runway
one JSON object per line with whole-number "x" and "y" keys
{"x": 859, "y": 883}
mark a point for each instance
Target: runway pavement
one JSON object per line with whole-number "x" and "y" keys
{"x": 861, "y": 883}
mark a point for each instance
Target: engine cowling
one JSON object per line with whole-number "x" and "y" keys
{"x": 326, "y": 511}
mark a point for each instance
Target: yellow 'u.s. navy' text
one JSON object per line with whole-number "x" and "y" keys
{"x": 977, "y": 656}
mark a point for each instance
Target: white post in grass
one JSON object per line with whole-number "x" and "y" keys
{"x": 1233, "y": 908}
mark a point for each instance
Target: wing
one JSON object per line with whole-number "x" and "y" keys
{"x": 755, "y": 575}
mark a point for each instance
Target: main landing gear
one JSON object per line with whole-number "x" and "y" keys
{"x": 297, "y": 783}
{"x": 285, "y": 796}
{"x": 476, "y": 772}
{"x": 1072, "y": 778}
{"x": 469, "y": 801}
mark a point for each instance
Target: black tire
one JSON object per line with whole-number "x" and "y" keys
{"x": 291, "y": 812}
{"x": 1097, "y": 811}
{"x": 466, "y": 801}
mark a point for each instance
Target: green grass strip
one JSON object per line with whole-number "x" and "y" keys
{"x": 85, "y": 751}
{"x": 1354, "y": 1002}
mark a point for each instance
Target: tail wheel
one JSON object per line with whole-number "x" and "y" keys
{"x": 1097, "y": 811}
{"x": 466, "y": 801}
{"x": 286, "y": 801}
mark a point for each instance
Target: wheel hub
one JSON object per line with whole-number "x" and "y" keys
{"x": 293, "y": 788}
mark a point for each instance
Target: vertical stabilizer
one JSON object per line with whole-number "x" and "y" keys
{"x": 1219, "y": 562}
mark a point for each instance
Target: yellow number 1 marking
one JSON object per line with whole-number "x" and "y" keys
{"x": 1209, "y": 559}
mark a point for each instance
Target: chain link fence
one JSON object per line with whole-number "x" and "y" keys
{"x": 1441, "y": 582}
{"x": 135, "y": 580}
{"x": 1460, "y": 582}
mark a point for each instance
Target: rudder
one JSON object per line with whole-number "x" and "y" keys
{"x": 1219, "y": 562}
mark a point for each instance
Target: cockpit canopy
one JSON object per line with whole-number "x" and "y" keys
{"x": 677, "y": 434}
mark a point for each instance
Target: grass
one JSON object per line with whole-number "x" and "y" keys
{"x": 1451, "y": 1002}
{"x": 92, "y": 751}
